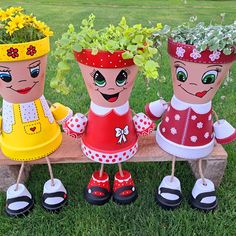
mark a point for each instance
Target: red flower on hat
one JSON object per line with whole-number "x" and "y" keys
{"x": 31, "y": 50}
{"x": 12, "y": 52}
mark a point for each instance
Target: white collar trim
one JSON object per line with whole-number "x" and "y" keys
{"x": 198, "y": 108}
{"x": 99, "y": 110}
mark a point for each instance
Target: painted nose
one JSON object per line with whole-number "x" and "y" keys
{"x": 111, "y": 89}
{"x": 23, "y": 80}
{"x": 192, "y": 83}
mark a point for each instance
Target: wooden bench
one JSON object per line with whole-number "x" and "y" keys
{"x": 149, "y": 151}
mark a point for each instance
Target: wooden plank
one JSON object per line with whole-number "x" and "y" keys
{"x": 149, "y": 151}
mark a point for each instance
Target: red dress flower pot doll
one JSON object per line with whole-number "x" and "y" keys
{"x": 29, "y": 128}
{"x": 109, "y": 134}
{"x": 187, "y": 130}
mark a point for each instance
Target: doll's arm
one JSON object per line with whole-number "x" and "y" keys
{"x": 61, "y": 113}
{"x": 76, "y": 125}
{"x": 0, "y": 123}
{"x": 155, "y": 109}
{"x": 224, "y": 131}
{"x": 143, "y": 125}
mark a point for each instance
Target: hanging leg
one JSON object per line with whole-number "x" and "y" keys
{"x": 173, "y": 169}
{"x": 50, "y": 171}
{"x": 200, "y": 172}
{"x": 54, "y": 193}
{"x": 203, "y": 195}
{"x": 101, "y": 170}
{"x": 19, "y": 176}
{"x": 120, "y": 170}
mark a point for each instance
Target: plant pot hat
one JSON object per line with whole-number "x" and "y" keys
{"x": 187, "y": 52}
{"x": 103, "y": 59}
{"x": 24, "y": 37}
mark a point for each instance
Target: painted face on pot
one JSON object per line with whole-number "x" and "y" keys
{"x": 197, "y": 83}
{"x": 109, "y": 87}
{"x": 22, "y": 81}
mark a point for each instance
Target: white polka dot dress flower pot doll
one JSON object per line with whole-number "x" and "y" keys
{"x": 29, "y": 128}
{"x": 187, "y": 130}
{"x": 109, "y": 133}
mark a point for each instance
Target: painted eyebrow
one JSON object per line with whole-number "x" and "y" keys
{"x": 215, "y": 65}
{"x": 5, "y": 67}
{"x": 34, "y": 63}
{"x": 179, "y": 62}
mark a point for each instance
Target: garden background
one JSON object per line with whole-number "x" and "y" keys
{"x": 143, "y": 217}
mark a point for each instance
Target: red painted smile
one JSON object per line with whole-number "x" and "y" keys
{"x": 24, "y": 90}
{"x": 201, "y": 94}
{"x": 110, "y": 97}
{"x": 197, "y": 94}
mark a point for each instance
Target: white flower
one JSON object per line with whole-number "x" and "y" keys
{"x": 199, "y": 125}
{"x": 215, "y": 55}
{"x": 193, "y": 117}
{"x": 167, "y": 119}
{"x": 209, "y": 117}
{"x": 177, "y": 117}
{"x": 206, "y": 135}
{"x": 195, "y": 54}
{"x": 180, "y": 51}
{"x": 173, "y": 130}
{"x": 193, "y": 139}
{"x": 163, "y": 130}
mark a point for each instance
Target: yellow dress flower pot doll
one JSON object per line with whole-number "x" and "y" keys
{"x": 29, "y": 128}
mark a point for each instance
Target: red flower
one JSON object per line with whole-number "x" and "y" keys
{"x": 31, "y": 50}
{"x": 12, "y": 52}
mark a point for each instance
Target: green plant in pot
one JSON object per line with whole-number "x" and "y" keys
{"x": 200, "y": 57}
{"x": 109, "y": 60}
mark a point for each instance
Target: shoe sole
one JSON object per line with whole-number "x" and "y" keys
{"x": 206, "y": 209}
{"x": 164, "y": 205}
{"x": 91, "y": 199}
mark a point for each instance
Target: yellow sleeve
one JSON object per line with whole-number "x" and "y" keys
{"x": 60, "y": 112}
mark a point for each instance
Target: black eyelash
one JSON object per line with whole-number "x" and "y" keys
{"x": 176, "y": 66}
{"x": 93, "y": 73}
{"x": 218, "y": 70}
{"x": 127, "y": 71}
{"x": 5, "y": 70}
{"x": 34, "y": 66}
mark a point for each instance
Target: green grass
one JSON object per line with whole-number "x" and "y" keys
{"x": 144, "y": 217}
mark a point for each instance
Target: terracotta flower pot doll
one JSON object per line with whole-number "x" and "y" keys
{"x": 29, "y": 128}
{"x": 109, "y": 133}
{"x": 187, "y": 130}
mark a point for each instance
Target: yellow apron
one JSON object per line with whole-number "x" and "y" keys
{"x": 30, "y": 140}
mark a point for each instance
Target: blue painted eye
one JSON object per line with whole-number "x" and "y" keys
{"x": 5, "y": 76}
{"x": 34, "y": 71}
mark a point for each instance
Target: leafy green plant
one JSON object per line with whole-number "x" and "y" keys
{"x": 214, "y": 37}
{"x": 136, "y": 41}
{"x": 18, "y": 27}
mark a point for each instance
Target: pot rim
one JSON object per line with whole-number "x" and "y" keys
{"x": 24, "y": 51}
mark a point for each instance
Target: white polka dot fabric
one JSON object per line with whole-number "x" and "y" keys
{"x": 7, "y": 116}
{"x": 46, "y": 109}
{"x": 28, "y": 112}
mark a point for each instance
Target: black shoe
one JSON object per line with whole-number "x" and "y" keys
{"x": 168, "y": 204}
{"x": 57, "y": 206}
{"x": 97, "y": 200}
{"x": 21, "y": 211}
{"x": 197, "y": 204}
{"x": 125, "y": 199}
